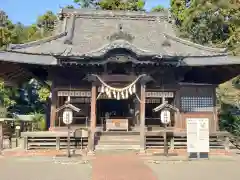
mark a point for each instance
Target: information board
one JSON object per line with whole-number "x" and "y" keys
{"x": 197, "y": 135}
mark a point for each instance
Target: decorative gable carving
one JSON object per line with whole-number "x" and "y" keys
{"x": 121, "y": 35}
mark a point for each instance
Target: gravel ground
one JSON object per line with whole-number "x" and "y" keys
{"x": 219, "y": 169}
{"x": 43, "y": 168}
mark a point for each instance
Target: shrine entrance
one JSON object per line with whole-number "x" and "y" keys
{"x": 113, "y": 112}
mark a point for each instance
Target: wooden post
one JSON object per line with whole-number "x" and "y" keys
{"x": 215, "y": 112}
{"x": 172, "y": 143}
{"x": 25, "y": 143}
{"x": 178, "y": 123}
{"x": 57, "y": 143}
{"x": 93, "y": 118}
{"x": 53, "y": 108}
{"x": 1, "y": 137}
{"x": 227, "y": 144}
{"x": 142, "y": 120}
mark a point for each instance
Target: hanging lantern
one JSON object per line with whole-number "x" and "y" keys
{"x": 102, "y": 89}
{"x": 134, "y": 88}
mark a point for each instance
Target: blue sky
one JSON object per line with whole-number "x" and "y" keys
{"x": 26, "y": 11}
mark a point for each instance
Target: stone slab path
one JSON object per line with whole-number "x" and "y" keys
{"x": 124, "y": 166}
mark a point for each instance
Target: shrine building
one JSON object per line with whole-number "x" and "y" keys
{"x": 121, "y": 69}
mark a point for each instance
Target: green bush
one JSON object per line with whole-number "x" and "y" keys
{"x": 230, "y": 123}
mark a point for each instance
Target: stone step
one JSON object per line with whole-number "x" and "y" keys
{"x": 117, "y": 147}
{"x": 103, "y": 138}
{"x": 118, "y": 143}
{"x": 118, "y": 133}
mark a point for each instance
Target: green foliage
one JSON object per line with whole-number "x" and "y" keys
{"x": 47, "y": 22}
{"x": 158, "y": 8}
{"x": 230, "y": 123}
{"x": 43, "y": 93}
{"x": 86, "y": 3}
{"x": 131, "y": 5}
{"x": 209, "y": 22}
{"x": 69, "y": 7}
{"x": 39, "y": 121}
{"x": 5, "y": 37}
{"x": 6, "y": 95}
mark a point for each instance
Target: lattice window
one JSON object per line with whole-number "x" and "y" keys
{"x": 196, "y": 104}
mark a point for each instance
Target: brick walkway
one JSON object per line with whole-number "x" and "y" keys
{"x": 126, "y": 166}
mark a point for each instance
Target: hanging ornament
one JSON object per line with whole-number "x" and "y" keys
{"x": 106, "y": 90}
{"x": 102, "y": 89}
{"x": 114, "y": 94}
{"x": 126, "y": 94}
{"x": 68, "y": 99}
{"x": 134, "y": 88}
{"x": 122, "y": 94}
{"x": 109, "y": 95}
{"x": 130, "y": 90}
{"x": 118, "y": 96}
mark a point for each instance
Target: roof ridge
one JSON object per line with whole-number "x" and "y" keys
{"x": 37, "y": 42}
{"x": 112, "y": 13}
{"x": 189, "y": 43}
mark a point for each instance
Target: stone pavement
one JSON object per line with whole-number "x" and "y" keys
{"x": 123, "y": 166}
{"x": 116, "y": 166}
{"x": 219, "y": 168}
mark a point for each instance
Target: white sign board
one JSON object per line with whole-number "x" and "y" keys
{"x": 165, "y": 117}
{"x": 67, "y": 116}
{"x": 197, "y": 135}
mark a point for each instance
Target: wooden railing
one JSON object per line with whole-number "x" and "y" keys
{"x": 53, "y": 140}
{"x": 178, "y": 140}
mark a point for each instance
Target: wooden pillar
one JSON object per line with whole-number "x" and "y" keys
{"x": 215, "y": 111}
{"x": 92, "y": 118}
{"x": 53, "y": 107}
{"x": 1, "y": 137}
{"x": 142, "y": 119}
{"x": 178, "y": 123}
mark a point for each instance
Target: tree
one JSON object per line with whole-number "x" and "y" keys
{"x": 158, "y": 8}
{"x": 131, "y": 5}
{"x": 5, "y": 33}
{"x": 47, "y": 22}
{"x": 6, "y": 95}
{"x": 86, "y": 3}
{"x": 208, "y": 21}
{"x": 69, "y": 7}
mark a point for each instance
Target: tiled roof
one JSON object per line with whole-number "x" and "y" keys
{"x": 92, "y": 32}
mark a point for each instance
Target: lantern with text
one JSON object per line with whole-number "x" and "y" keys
{"x": 165, "y": 116}
{"x": 67, "y": 116}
